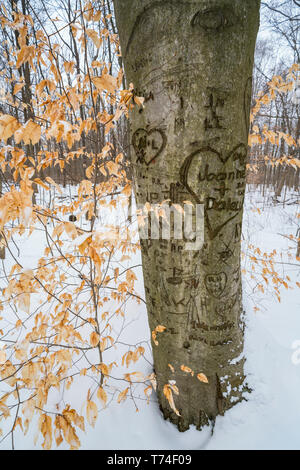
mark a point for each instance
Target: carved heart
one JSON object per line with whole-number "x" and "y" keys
{"x": 238, "y": 153}
{"x": 215, "y": 284}
{"x": 148, "y": 144}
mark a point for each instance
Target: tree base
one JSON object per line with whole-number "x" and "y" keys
{"x": 183, "y": 422}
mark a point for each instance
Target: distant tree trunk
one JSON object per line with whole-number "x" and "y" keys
{"x": 192, "y": 61}
{"x": 296, "y": 183}
{"x": 2, "y": 247}
{"x": 298, "y": 247}
{"x": 280, "y": 181}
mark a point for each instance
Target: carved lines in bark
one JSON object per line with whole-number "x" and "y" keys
{"x": 216, "y": 102}
{"x": 145, "y": 14}
{"x": 188, "y": 299}
{"x": 216, "y": 284}
{"x": 148, "y": 144}
{"x": 210, "y": 20}
{"x": 214, "y": 19}
{"x": 225, "y": 254}
{"x": 238, "y": 154}
{"x": 199, "y": 325}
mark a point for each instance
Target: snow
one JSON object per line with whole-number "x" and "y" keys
{"x": 270, "y": 418}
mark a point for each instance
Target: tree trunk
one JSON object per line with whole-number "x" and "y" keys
{"x": 192, "y": 61}
{"x": 2, "y": 247}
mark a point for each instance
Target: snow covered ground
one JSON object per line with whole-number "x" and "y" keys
{"x": 270, "y": 419}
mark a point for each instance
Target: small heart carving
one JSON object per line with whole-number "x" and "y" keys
{"x": 215, "y": 284}
{"x": 148, "y": 144}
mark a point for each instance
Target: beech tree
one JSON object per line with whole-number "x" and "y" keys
{"x": 192, "y": 62}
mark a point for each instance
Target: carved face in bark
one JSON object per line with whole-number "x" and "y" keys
{"x": 216, "y": 283}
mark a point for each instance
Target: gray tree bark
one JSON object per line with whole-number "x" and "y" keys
{"x": 192, "y": 61}
{"x": 2, "y": 247}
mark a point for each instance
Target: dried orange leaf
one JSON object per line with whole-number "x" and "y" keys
{"x": 158, "y": 329}
{"x": 122, "y": 395}
{"x": 202, "y": 378}
{"x": 169, "y": 396}
{"x": 186, "y": 369}
{"x": 91, "y": 412}
{"x": 102, "y": 396}
{"x": 94, "y": 339}
{"x": 106, "y": 82}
